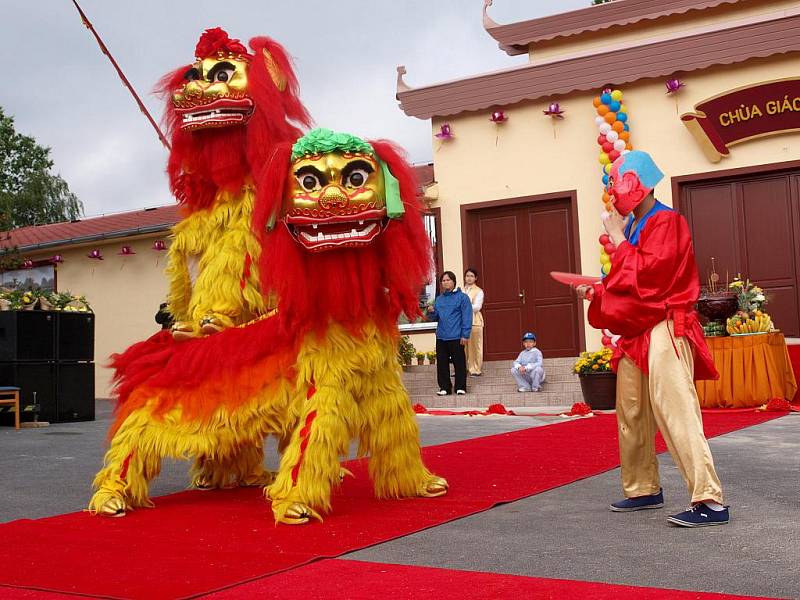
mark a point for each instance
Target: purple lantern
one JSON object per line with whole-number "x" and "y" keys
{"x": 445, "y": 133}
{"x": 159, "y": 245}
{"x": 555, "y": 111}
{"x": 673, "y": 85}
{"x": 498, "y": 116}
{"x": 27, "y": 264}
{"x": 57, "y": 259}
{"x": 95, "y": 254}
{"x": 126, "y": 251}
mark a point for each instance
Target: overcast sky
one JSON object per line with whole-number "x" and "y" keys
{"x": 65, "y": 93}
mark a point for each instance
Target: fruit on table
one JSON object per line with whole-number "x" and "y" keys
{"x": 743, "y": 322}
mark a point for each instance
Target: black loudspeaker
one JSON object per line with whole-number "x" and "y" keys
{"x": 74, "y": 336}
{"x": 27, "y": 335}
{"x": 75, "y": 391}
{"x": 37, "y": 383}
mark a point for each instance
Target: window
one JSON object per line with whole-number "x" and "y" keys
{"x": 433, "y": 227}
{"x": 40, "y": 276}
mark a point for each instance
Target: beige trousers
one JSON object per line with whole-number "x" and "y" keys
{"x": 475, "y": 350}
{"x": 667, "y": 400}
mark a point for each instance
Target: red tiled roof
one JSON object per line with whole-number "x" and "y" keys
{"x": 138, "y": 222}
{"x": 514, "y": 38}
{"x": 657, "y": 59}
{"x": 96, "y": 228}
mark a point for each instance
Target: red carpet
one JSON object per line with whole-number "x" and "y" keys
{"x": 201, "y": 541}
{"x": 358, "y": 580}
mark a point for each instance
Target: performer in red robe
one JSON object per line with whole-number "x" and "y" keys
{"x": 648, "y": 299}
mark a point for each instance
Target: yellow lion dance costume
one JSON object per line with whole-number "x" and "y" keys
{"x": 349, "y": 255}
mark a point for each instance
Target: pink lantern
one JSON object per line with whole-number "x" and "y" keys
{"x": 159, "y": 245}
{"x": 126, "y": 251}
{"x": 27, "y": 264}
{"x": 57, "y": 259}
{"x": 673, "y": 85}
{"x": 445, "y": 132}
{"x": 498, "y": 116}
{"x": 95, "y": 254}
{"x": 555, "y": 111}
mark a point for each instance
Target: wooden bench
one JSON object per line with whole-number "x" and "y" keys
{"x": 9, "y": 396}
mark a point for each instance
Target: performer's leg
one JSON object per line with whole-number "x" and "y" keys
{"x": 443, "y": 366}
{"x": 677, "y": 412}
{"x": 310, "y": 463}
{"x": 243, "y": 467}
{"x": 131, "y": 462}
{"x": 637, "y": 431}
{"x": 389, "y": 434}
{"x": 460, "y": 365}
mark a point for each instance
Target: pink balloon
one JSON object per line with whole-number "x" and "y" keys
{"x": 619, "y": 145}
{"x": 612, "y": 136}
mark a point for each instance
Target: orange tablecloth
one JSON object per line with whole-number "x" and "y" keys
{"x": 753, "y": 369}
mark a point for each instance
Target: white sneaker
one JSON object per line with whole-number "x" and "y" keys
{"x": 441, "y": 393}
{"x": 522, "y": 389}
{"x": 460, "y": 392}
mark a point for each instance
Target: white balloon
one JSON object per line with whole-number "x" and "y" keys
{"x": 612, "y": 136}
{"x": 599, "y": 120}
{"x": 605, "y": 128}
{"x": 619, "y": 145}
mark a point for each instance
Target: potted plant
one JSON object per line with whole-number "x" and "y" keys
{"x": 420, "y": 358}
{"x": 405, "y": 351}
{"x": 431, "y": 358}
{"x": 598, "y": 381}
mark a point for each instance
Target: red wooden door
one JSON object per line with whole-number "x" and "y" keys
{"x": 751, "y": 225}
{"x": 514, "y": 249}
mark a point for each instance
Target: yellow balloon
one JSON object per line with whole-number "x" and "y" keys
{"x": 623, "y": 108}
{"x": 606, "y": 268}
{"x": 604, "y": 160}
{"x": 616, "y": 95}
{"x": 607, "y": 168}
{"x": 605, "y": 258}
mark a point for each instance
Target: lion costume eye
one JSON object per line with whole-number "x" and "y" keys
{"x": 357, "y": 178}
{"x": 223, "y": 75}
{"x": 308, "y": 182}
{"x": 192, "y": 74}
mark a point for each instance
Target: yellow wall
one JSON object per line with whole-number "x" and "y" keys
{"x": 124, "y": 293}
{"x": 532, "y": 154}
{"x": 644, "y": 32}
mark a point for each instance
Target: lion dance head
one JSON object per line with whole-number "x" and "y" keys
{"x": 348, "y": 241}
{"x": 225, "y": 114}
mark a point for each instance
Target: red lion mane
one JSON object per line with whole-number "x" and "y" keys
{"x": 206, "y": 161}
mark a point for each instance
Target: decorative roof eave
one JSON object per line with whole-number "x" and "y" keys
{"x": 515, "y": 38}
{"x": 657, "y": 59}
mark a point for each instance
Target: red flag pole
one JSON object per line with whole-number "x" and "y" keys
{"x": 124, "y": 79}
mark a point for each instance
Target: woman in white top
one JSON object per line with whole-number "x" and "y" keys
{"x": 475, "y": 344}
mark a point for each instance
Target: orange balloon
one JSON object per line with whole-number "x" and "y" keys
{"x": 609, "y": 206}
{"x": 619, "y": 127}
{"x": 606, "y": 198}
{"x": 624, "y": 135}
{"x": 628, "y": 146}
{"x": 610, "y": 117}
{"x": 597, "y": 102}
{"x": 602, "y": 110}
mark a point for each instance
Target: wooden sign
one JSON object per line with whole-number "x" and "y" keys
{"x": 745, "y": 114}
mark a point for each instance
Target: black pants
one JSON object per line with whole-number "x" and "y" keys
{"x": 448, "y": 351}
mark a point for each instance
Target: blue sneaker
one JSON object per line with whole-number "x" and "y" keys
{"x": 639, "y": 503}
{"x": 700, "y": 516}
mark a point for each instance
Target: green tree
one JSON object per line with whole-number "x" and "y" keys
{"x": 30, "y": 194}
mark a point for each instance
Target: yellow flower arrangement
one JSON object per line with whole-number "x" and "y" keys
{"x": 594, "y": 362}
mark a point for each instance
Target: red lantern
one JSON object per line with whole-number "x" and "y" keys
{"x": 95, "y": 254}
{"x": 498, "y": 116}
{"x": 27, "y": 264}
{"x": 57, "y": 259}
{"x": 159, "y": 245}
{"x": 126, "y": 251}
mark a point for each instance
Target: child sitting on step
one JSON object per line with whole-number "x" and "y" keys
{"x": 528, "y": 369}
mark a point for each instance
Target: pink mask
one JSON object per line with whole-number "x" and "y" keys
{"x": 627, "y": 191}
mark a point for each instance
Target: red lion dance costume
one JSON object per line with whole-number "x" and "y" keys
{"x": 347, "y": 256}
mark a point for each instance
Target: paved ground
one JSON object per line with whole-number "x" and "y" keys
{"x": 565, "y": 533}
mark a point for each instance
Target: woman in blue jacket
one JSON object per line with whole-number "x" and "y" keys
{"x": 453, "y": 311}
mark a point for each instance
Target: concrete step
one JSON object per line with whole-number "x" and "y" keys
{"x": 470, "y": 400}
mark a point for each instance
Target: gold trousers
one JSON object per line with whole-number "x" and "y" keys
{"x": 475, "y": 350}
{"x": 665, "y": 399}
